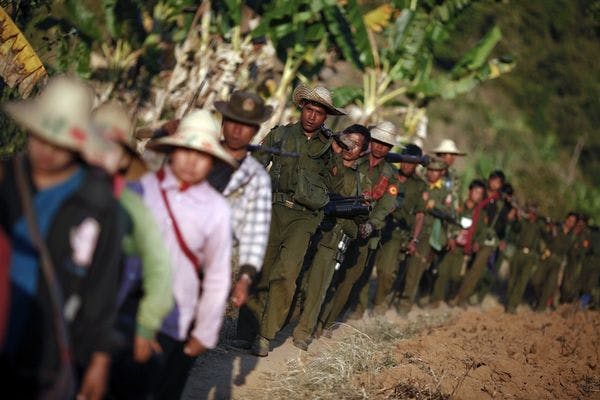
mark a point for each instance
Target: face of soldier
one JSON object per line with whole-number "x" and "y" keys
{"x": 237, "y": 135}
{"x": 48, "y": 158}
{"x": 580, "y": 226}
{"x": 408, "y": 169}
{"x": 379, "y": 149}
{"x": 570, "y": 222}
{"x": 476, "y": 194}
{"x": 434, "y": 175}
{"x": 356, "y": 142}
{"x": 312, "y": 117}
{"x": 495, "y": 184}
{"x": 447, "y": 158}
{"x": 190, "y": 166}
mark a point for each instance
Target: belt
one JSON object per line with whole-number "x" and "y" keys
{"x": 286, "y": 200}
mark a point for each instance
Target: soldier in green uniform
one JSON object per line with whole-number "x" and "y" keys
{"x": 447, "y": 151}
{"x": 434, "y": 235}
{"x": 300, "y": 191}
{"x": 590, "y": 274}
{"x": 571, "y": 283}
{"x": 558, "y": 239}
{"x": 380, "y": 185}
{"x": 527, "y": 239}
{"x": 347, "y": 182}
{"x": 453, "y": 265}
{"x": 402, "y": 231}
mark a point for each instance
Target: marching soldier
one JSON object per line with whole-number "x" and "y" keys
{"x": 300, "y": 191}
{"x": 447, "y": 151}
{"x": 379, "y": 184}
{"x": 337, "y": 232}
{"x": 570, "y": 287}
{"x": 528, "y": 234}
{"x": 403, "y": 229}
{"x": 433, "y": 234}
{"x": 453, "y": 265}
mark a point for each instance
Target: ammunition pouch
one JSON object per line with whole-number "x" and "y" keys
{"x": 311, "y": 191}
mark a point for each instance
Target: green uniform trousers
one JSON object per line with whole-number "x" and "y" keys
{"x": 521, "y": 269}
{"x": 387, "y": 264}
{"x": 474, "y": 274}
{"x": 318, "y": 277}
{"x": 416, "y": 266}
{"x": 448, "y": 274}
{"x": 289, "y": 236}
{"x": 334, "y": 307}
{"x": 590, "y": 276}
{"x": 545, "y": 280}
{"x": 569, "y": 289}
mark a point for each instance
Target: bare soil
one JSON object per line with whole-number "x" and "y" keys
{"x": 481, "y": 352}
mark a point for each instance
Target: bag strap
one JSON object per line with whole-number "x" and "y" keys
{"x": 64, "y": 387}
{"x": 160, "y": 175}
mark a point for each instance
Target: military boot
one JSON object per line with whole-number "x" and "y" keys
{"x": 261, "y": 346}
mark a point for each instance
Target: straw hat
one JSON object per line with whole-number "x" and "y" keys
{"x": 60, "y": 115}
{"x": 245, "y": 107}
{"x": 447, "y": 146}
{"x": 319, "y": 95}
{"x": 384, "y": 132}
{"x": 113, "y": 123}
{"x": 199, "y": 131}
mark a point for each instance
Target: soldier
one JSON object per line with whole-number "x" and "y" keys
{"x": 447, "y": 151}
{"x": 247, "y": 189}
{"x": 590, "y": 273}
{"x": 300, "y": 191}
{"x": 558, "y": 239}
{"x": 433, "y": 234}
{"x": 403, "y": 229}
{"x": 570, "y": 287}
{"x": 379, "y": 184}
{"x": 320, "y": 273}
{"x": 528, "y": 234}
{"x": 454, "y": 263}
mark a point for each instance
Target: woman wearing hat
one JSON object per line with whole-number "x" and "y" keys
{"x": 195, "y": 224}
{"x": 78, "y": 220}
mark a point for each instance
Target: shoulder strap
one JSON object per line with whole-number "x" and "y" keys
{"x": 160, "y": 175}
{"x": 276, "y": 168}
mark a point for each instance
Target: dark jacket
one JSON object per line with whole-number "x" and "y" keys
{"x": 95, "y": 285}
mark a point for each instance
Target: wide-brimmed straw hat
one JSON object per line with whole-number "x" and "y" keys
{"x": 113, "y": 123}
{"x": 199, "y": 131}
{"x": 447, "y": 146}
{"x": 385, "y": 132}
{"x": 319, "y": 95}
{"x": 245, "y": 107}
{"x": 60, "y": 115}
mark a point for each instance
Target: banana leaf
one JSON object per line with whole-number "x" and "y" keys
{"x": 20, "y": 65}
{"x": 478, "y": 55}
{"x": 344, "y": 95}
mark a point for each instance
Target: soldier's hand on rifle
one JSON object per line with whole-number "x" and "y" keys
{"x": 365, "y": 230}
{"x": 239, "y": 295}
{"x": 411, "y": 249}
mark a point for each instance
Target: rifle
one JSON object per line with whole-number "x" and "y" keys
{"x": 272, "y": 150}
{"x": 444, "y": 216}
{"x": 335, "y": 136}
{"x": 397, "y": 157}
{"x": 347, "y": 207}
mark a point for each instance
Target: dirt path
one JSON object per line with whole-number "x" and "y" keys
{"x": 480, "y": 353}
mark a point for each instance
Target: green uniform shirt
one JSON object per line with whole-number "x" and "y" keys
{"x": 379, "y": 183}
{"x": 409, "y": 201}
{"x": 528, "y": 234}
{"x": 559, "y": 243}
{"x": 315, "y": 156}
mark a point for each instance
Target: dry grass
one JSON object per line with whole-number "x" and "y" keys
{"x": 347, "y": 367}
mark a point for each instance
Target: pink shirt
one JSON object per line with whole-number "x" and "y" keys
{"x": 203, "y": 217}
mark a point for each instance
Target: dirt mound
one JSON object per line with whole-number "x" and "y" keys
{"x": 490, "y": 353}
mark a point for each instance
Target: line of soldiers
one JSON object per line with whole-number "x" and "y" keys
{"x": 119, "y": 273}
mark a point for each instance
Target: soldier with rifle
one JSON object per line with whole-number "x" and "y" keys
{"x": 453, "y": 265}
{"x": 343, "y": 215}
{"x": 447, "y": 151}
{"x": 403, "y": 227}
{"x": 377, "y": 182}
{"x": 300, "y": 188}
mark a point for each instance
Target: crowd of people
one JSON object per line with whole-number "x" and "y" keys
{"x": 117, "y": 272}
